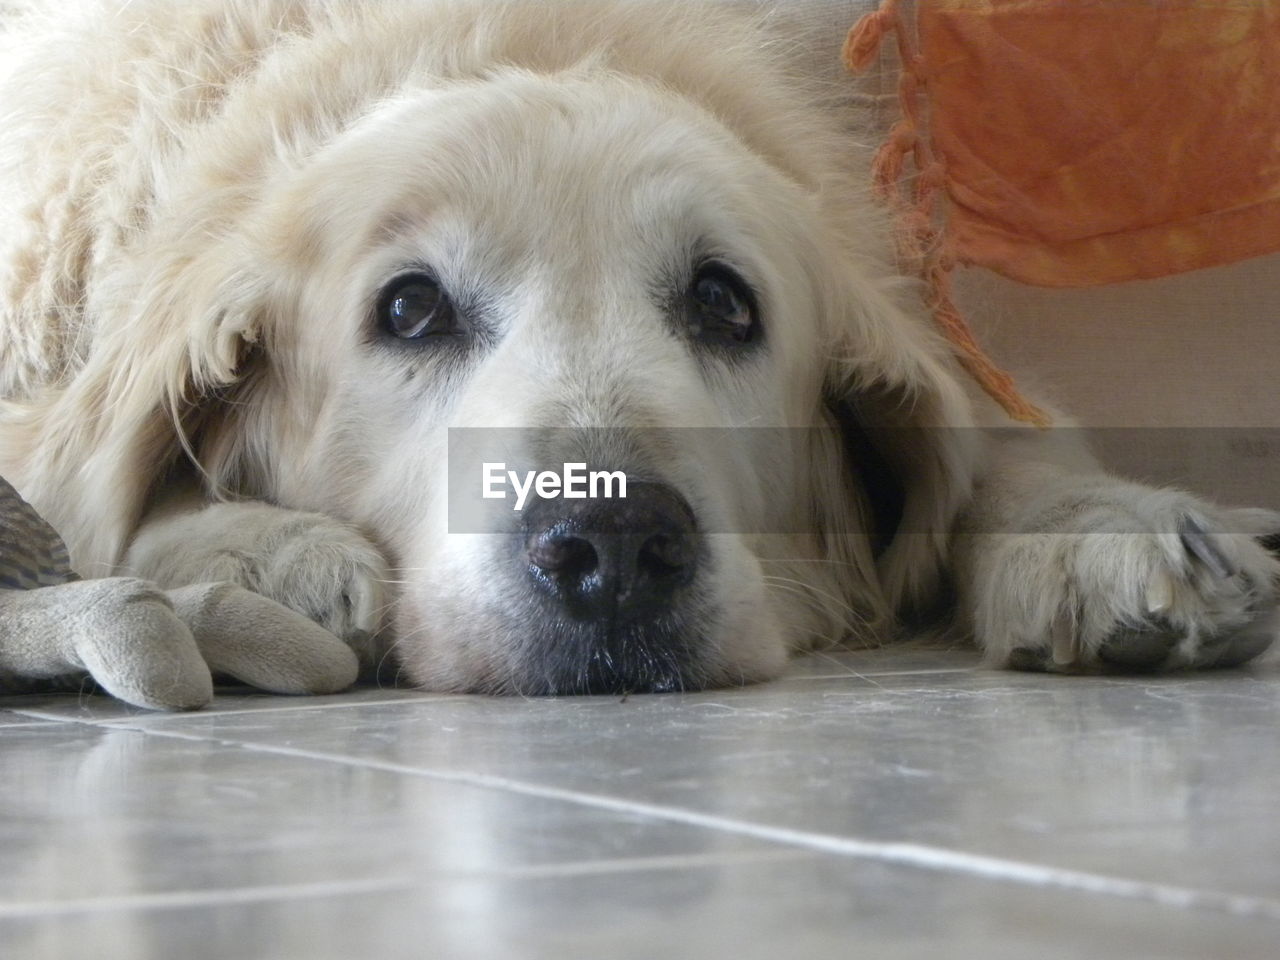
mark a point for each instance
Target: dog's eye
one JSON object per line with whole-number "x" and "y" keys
{"x": 414, "y": 307}
{"x": 721, "y": 307}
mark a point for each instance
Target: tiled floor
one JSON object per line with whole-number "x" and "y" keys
{"x": 878, "y": 804}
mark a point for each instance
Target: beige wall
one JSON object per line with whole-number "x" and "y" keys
{"x": 1198, "y": 349}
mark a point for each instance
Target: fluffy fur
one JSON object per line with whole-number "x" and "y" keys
{"x": 202, "y": 200}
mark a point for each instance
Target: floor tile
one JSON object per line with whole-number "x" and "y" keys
{"x": 94, "y": 812}
{"x": 1158, "y": 779}
{"x": 848, "y": 805}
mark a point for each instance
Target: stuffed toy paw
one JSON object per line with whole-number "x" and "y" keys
{"x": 150, "y": 647}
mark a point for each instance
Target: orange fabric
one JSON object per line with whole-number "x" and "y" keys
{"x": 920, "y": 237}
{"x": 1109, "y": 140}
{"x": 1078, "y": 142}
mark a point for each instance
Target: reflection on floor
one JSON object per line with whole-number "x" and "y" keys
{"x": 873, "y": 803}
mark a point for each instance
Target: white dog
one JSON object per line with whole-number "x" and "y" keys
{"x": 268, "y": 265}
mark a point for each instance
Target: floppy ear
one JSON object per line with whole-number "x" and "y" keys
{"x": 910, "y": 443}
{"x": 89, "y": 453}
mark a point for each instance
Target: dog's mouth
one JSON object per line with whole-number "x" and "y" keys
{"x": 662, "y": 657}
{"x": 531, "y": 639}
{"x": 611, "y": 589}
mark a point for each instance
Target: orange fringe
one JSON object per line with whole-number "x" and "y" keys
{"x": 920, "y": 240}
{"x": 863, "y": 42}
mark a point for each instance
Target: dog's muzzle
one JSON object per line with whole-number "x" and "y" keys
{"x": 615, "y": 581}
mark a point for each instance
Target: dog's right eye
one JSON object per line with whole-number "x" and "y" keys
{"x": 721, "y": 308}
{"x": 415, "y": 307}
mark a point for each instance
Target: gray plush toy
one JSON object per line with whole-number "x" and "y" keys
{"x": 151, "y": 647}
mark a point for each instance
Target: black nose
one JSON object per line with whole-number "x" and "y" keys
{"x": 617, "y": 561}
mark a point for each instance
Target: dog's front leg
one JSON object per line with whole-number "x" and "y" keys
{"x": 156, "y": 649}
{"x": 321, "y": 567}
{"x": 1062, "y": 566}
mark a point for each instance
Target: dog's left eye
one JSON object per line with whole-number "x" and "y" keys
{"x": 415, "y": 307}
{"x": 721, "y": 307}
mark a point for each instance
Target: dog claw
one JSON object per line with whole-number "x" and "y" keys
{"x": 1198, "y": 542}
{"x": 1160, "y": 594}
{"x": 1064, "y": 641}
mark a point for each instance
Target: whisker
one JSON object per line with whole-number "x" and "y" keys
{"x": 843, "y": 666}
{"x": 839, "y": 602}
{"x": 390, "y": 649}
{"x": 835, "y": 563}
{"x": 846, "y": 625}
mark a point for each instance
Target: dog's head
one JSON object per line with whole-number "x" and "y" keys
{"x": 657, "y": 280}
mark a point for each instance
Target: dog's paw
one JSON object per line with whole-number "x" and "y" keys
{"x": 328, "y": 572}
{"x": 229, "y": 625}
{"x": 123, "y": 632}
{"x": 318, "y": 566}
{"x": 1129, "y": 578}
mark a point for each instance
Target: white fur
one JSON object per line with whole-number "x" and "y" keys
{"x": 201, "y": 200}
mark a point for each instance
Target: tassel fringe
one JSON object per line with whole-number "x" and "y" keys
{"x": 920, "y": 240}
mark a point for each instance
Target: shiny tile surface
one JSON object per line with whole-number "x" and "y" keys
{"x": 900, "y": 801}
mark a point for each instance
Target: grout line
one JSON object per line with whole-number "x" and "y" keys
{"x": 567, "y": 870}
{"x": 865, "y": 674}
{"x": 47, "y": 717}
{"x": 588, "y": 868}
{"x": 923, "y": 856}
{"x": 300, "y": 703}
{"x": 177, "y": 899}
{"x": 29, "y": 720}
{"x": 51, "y": 717}
{"x": 305, "y": 703}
